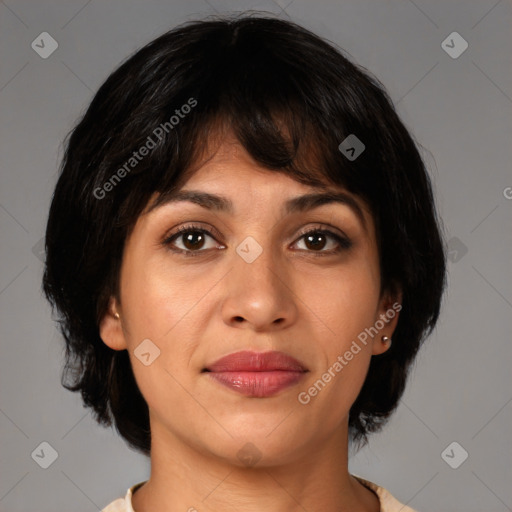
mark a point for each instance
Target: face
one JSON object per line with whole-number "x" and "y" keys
{"x": 294, "y": 280}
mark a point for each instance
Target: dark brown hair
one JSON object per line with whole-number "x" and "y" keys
{"x": 290, "y": 98}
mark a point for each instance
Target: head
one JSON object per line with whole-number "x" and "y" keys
{"x": 253, "y": 110}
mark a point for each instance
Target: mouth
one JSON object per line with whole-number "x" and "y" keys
{"x": 257, "y": 375}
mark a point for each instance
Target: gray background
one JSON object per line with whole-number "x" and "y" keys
{"x": 459, "y": 109}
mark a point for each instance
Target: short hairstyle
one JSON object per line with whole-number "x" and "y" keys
{"x": 290, "y": 98}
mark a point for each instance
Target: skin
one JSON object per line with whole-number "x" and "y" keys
{"x": 199, "y": 309}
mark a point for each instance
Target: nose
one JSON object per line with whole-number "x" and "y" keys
{"x": 259, "y": 289}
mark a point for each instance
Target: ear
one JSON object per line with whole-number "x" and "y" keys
{"x": 390, "y": 306}
{"x": 111, "y": 330}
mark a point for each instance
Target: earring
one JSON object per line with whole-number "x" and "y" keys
{"x": 116, "y": 315}
{"x": 386, "y": 341}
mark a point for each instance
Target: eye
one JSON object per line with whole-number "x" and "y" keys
{"x": 192, "y": 239}
{"x": 316, "y": 239}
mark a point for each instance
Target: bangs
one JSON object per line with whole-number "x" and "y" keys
{"x": 274, "y": 143}
{"x": 247, "y": 88}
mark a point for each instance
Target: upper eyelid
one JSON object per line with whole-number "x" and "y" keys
{"x": 197, "y": 225}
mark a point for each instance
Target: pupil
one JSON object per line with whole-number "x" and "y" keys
{"x": 189, "y": 240}
{"x": 315, "y": 245}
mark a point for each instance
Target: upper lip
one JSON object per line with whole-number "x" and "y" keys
{"x": 248, "y": 361}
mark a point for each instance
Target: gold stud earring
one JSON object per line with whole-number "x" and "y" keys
{"x": 116, "y": 315}
{"x": 386, "y": 341}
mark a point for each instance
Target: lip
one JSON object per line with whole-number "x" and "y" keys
{"x": 256, "y": 374}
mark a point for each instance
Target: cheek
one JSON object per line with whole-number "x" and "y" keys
{"x": 149, "y": 297}
{"x": 343, "y": 356}
{"x": 161, "y": 304}
{"x": 164, "y": 302}
{"x": 345, "y": 301}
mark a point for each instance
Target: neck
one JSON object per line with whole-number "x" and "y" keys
{"x": 183, "y": 478}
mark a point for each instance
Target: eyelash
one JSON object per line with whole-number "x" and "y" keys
{"x": 344, "y": 243}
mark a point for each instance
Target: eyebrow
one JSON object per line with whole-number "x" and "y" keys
{"x": 294, "y": 205}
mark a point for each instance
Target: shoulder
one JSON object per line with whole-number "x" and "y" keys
{"x": 123, "y": 504}
{"x": 388, "y": 503}
{"x": 118, "y": 505}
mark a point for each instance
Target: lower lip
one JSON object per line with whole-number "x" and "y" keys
{"x": 258, "y": 384}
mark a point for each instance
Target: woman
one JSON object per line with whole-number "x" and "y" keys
{"x": 244, "y": 250}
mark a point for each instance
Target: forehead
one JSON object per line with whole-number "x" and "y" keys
{"x": 222, "y": 176}
{"x": 231, "y": 176}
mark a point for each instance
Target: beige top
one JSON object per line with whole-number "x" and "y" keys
{"x": 387, "y": 502}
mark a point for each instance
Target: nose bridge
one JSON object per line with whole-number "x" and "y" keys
{"x": 255, "y": 262}
{"x": 257, "y": 291}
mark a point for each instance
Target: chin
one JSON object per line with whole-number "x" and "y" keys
{"x": 266, "y": 446}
